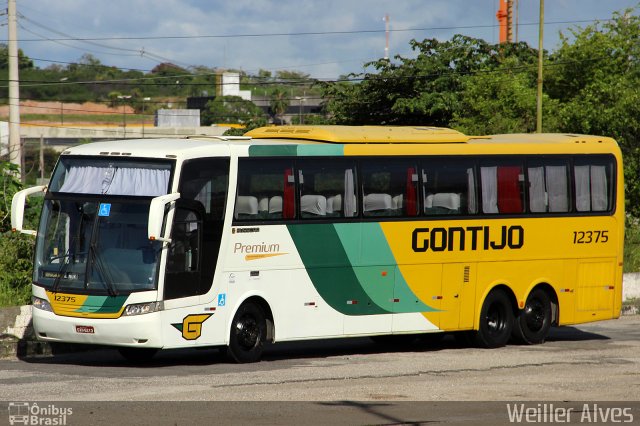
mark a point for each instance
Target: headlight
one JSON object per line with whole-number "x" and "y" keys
{"x": 143, "y": 308}
{"x": 41, "y": 304}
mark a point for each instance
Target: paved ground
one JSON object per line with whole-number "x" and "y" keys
{"x": 345, "y": 382}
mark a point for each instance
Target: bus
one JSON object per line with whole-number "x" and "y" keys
{"x": 313, "y": 232}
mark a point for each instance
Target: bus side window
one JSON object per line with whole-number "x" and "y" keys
{"x": 326, "y": 188}
{"x": 184, "y": 257}
{"x": 449, "y": 186}
{"x": 389, "y": 187}
{"x": 593, "y": 179}
{"x": 502, "y": 188}
{"x": 548, "y": 184}
{"x": 266, "y": 190}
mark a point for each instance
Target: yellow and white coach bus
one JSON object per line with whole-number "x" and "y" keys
{"x": 309, "y": 232}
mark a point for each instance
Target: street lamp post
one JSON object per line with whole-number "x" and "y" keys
{"x": 143, "y": 116}
{"x": 124, "y": 114}
{"x": 301, "y": 99}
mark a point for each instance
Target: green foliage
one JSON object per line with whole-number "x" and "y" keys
{"x": 23, "y": 61}
{"x": 632, "y": 246}
{"x": 16, "y": 250}
{"x": 9, "y": 185}
{"x": 16, "y": 254}
{"x": 595, "y": 78}
{"x": 232, "y": 110}
{"x": 425, "y": 90}
{"x": 501, "y": 102}
{"x": 279, "y": 102}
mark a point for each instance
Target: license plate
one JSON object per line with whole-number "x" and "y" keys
{"x": 86, "y": 329}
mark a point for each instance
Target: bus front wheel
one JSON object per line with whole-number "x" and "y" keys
{"x": 496, "y": 321}
{"x": 534, "y": 321}
{"x": 248, "y": 334}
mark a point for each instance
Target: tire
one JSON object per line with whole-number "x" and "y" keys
{"x": 248, "y": 334}
{"x": 496, "y": 321}
{"x": 532, "y": 323}
{"x": 138, "y": 355}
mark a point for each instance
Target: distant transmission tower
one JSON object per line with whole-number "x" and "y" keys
{"x": 505, "y": 18}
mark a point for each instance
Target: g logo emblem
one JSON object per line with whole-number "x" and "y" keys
{"x": 191, "y": 326}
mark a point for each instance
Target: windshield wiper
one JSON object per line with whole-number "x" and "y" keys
{"x": 61, "y": 271}
{"x": 96, "y": 260}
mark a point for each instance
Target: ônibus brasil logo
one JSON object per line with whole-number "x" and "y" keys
{"x": 25, "y": 413}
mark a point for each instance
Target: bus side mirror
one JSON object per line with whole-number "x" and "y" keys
{"x": 17, "y": 209}
{"x": 156, "y": 216}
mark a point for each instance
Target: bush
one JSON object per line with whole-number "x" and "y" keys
{"x": 16, "y": 265}
{"x": 632, "y": 245}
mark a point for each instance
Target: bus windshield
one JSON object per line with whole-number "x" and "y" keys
{"x": 95, "y": 246}
{"x": 93, "y": 230}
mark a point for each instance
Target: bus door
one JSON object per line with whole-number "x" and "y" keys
{"x": 458, "y": 296}
{"x": 193, "y": 251}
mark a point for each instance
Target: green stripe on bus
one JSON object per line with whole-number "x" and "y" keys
{"x": 390, "y": 290}
{"x": 352, "y": 278}
{"x": 103, "y": 304}
{"x": 295, "y": 150}
{"x": 331, "y": 271}
{"x": 272, "y": 150}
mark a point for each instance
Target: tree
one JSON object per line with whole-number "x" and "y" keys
{"x": 15, "y": 249}
{"x": 279, "y": 103}
{"x": 232, "y": 110}
{"x": 501, "y": 101}
{"x": 24, "y": 62}
{"x": 595, "y": 78}
{"x": 425, "y": 90}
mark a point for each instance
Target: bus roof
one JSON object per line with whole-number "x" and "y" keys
{"x": 356, "y": 140}
{"x": 362, "y": 134}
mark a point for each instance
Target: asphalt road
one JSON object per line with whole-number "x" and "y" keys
{"x": 351, "y": 381}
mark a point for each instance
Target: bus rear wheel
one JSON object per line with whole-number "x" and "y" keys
{"x": 248, "y": 334}
{"x": 534, "y": 321}
{"x": 496, "y": 321}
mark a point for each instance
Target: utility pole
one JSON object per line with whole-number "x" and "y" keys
{"x": 15, "y": 148}
{"x": 386, "y": 34}
{"x": 540, "y": 58}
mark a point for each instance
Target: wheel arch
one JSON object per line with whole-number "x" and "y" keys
{"x": 266, "y": 308}
{"x": 553, "y": 297}
{"x": 496, "y": 287}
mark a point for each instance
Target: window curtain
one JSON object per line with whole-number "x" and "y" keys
{"x": 598, "y": 188}
{"x": 557, "y": 188}
{"x": 509, "y": 200}
{"x": 349, "y": 194}
{"x": 116, "y": 181}
{"x": 537, "y": 193}
{"x": 583, "y": 193}
{"x": 411, "y": 205}
{"x": 489, "y": 176}
{"x": 471, "y": 192}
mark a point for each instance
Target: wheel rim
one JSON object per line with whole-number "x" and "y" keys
{"x": 496, "y": 318}
{"x": 535, "y": 314}
{"x": 247, "y": 332}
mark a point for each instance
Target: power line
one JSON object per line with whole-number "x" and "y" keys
{"x": 306, "y": 33}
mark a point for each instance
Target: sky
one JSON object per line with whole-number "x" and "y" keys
{"x": 322, "y": 38}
